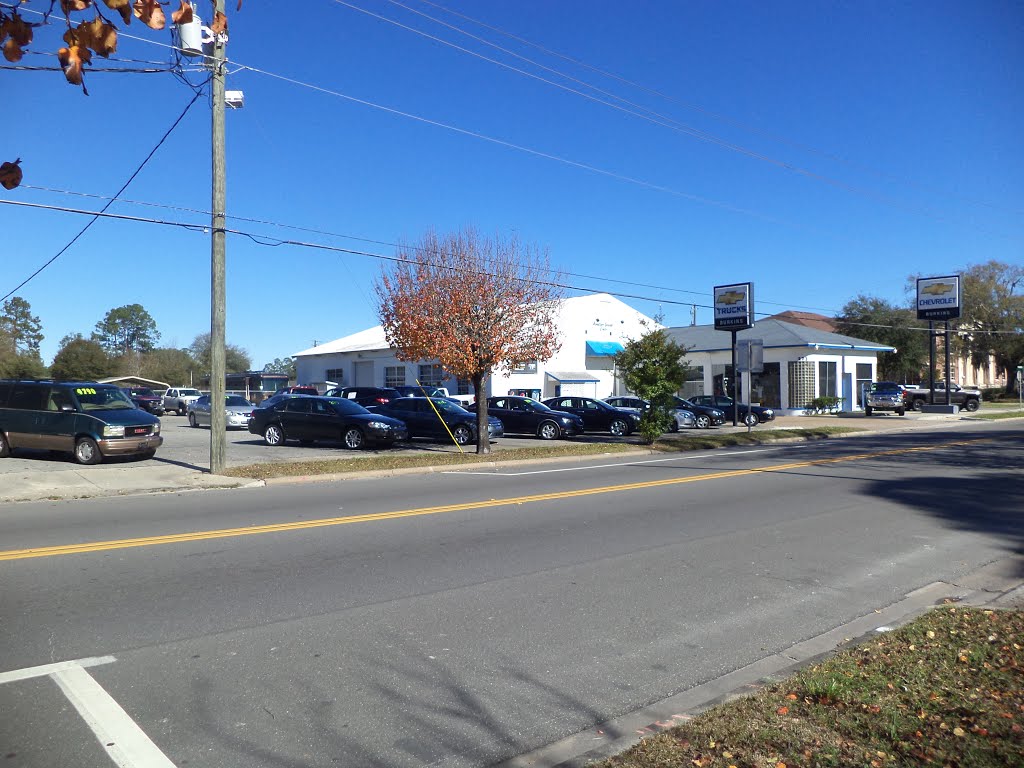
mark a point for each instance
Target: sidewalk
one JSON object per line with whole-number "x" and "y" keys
{"x": 48, "y": 479}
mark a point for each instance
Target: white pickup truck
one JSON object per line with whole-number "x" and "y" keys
{"x": 180, "y": 398}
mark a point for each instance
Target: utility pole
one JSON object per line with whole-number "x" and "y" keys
{"x": 218, "y": 257}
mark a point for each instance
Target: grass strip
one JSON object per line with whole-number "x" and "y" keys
{"x": 995, "y": 415}
{"x": 383, "y": 460}
{"x": 945, "y": 690}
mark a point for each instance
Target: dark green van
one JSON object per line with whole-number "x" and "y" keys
{"x": 83, "y": 418}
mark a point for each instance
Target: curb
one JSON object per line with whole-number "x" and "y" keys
{"x": 994, "y": 588}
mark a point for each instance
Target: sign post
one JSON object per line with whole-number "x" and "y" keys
{"x": 734, "y": 312}
{"x": 938, "y": 298}
{"x": 751, "y": 360}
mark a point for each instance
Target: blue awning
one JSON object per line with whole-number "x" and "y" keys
{"x": 603, "y": 348}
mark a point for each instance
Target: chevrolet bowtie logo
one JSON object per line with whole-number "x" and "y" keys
{"x": 730, "y": 297}
{"x": 938, "y": 289}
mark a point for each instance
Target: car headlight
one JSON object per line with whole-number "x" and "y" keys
{"x": 566, "y": 420}
{"x": 378, "y": 425}
{"x": 113, "y": 430}
{"x": 156, "y": 428}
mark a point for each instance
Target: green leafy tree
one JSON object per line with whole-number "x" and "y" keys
{"x": 281, "y": 365}
{"x": 236, "y": 359}
{"x": 174, "y": 367}
{"x": 127, "y": 329}
{"x": 874, "y": 319}
{"x": 654, "y": 368}
{"x": 80, "y": 358}
{"x": 992, "y": 316}
{"x": 19, "y": 328}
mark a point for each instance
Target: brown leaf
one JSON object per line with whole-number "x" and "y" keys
{"x": 184, "y": 14}
{"x": 71, "y": 61}
{"x": 69, "y": 6}
{"x": 124, "y": 7}
{"x": 150, "y": 13}
{"x": 220, "y": 24}
{"x": 98, "y": 35}
{"x": 10, "y": 174}
{"x": 782, "y": 710}
{"x": 792, "y": 696}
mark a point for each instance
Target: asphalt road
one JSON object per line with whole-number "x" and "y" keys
{"x": 462, "y": 618}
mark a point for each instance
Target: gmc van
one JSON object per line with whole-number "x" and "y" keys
{"x": 83, "y": 418}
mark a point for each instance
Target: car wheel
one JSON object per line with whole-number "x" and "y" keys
{"x": 971, "y": 405}
{"x": 618, "y": 428}
{"x": 273, "y": 435}
{"x": 182, "y": 409}
{"x": 867, "y": 410}
{"x": 87, "y": 452}
{"x": 918, "y": 404}
{"x": 353, "y": 439}
{"x": 703, "y": 421}
{"x": 674, "y": 426}
{"x": 5, "y": 448}
{"x": 750, "y": 420}
{"x": 548, "y": 430}
{"x": 900, "y": 411}
{"x": 192, "y": 420}
{"x": 462, "y": 434}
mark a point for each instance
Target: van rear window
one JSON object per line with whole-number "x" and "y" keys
{"x": 28, "y": 397}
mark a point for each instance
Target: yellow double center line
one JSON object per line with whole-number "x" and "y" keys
{"x": 223, "y": 533}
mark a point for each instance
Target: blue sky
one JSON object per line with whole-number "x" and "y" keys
{"x": 843, "y": 146}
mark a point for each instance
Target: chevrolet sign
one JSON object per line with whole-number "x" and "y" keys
{"x": 938, "y": 298}
{"x": 734, "y": 307}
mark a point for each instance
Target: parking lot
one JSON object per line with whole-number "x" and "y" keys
{"x": 189, "y": 447}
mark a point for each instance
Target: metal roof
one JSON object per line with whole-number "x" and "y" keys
{"x": 776, "y": 334}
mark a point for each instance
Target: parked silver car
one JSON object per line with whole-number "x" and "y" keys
{"x": 683, "y": 419}
{"x": 237, "y": 411}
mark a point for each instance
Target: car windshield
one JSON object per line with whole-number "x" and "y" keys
{"x": 102, "y": 399}
{"x": 143, "y": 392}
{"x": 533, "y": 405}
{"x": 189, "y": 392}
{"x": 346, "y": 407}
{"x": 236, "y": 400}
{"x": 448, "y": 406}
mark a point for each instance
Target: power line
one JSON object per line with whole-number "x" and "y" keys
{"x": 658, "y": 118}
{"x": 269, "y": 242}
{"x": 131, "y": 178}
{"x": 703, "y": 110}
{"x": 316, "y": 231}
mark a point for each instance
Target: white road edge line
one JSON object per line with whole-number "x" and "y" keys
{"x": 48, "y": 669}
{"x": 126, "y": 744}
{"x": 485, "y": 473}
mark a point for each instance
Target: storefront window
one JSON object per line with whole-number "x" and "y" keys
{"x": 827, "y": 383}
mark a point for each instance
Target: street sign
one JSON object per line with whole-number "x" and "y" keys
{"x": 750, "y": 355}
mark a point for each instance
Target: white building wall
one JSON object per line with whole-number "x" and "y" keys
{"x": 596, "y": 317}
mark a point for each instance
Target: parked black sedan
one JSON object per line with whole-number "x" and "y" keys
{"x": 306, "y": 419}
{"x": 706, "y": 416}
{"x": 526, "y": 416}
{"x": 436, "y": 417}
{"x": 597, "y": 415}
{"x": 723, "y": 403}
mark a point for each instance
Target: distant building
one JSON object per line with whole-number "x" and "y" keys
{"x": 592, "y": 329}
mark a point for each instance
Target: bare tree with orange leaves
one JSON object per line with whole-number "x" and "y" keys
{"x": 472, "y": 303}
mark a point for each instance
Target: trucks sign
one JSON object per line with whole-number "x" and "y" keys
{"x": 938, "y": 298}
{"x": 734, "y": 307}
